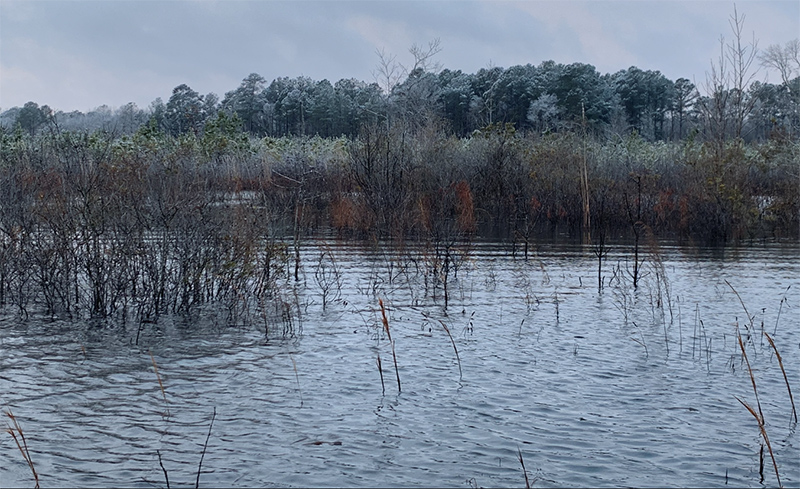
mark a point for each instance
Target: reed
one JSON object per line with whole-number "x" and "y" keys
{"x": 160, "y": 384}
{"x": 759, "y": 416}
{"x": 447, "y": 330}
{"x": 783, "y": 370}
{"x": 391, "y": 342}
{"x": 15, "y": 430}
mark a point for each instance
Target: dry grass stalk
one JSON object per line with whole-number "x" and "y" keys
{"x": 160, "y": 384}
{"x": 19, "y": 438}
{"x": 389, "y": 335}
{"x": 783, "y": 370}
{"x": 760, "y": 414}
{"x": 762, "y": 428}
{"x": 297, "y": 379}
{"x": 447, "y": 330}
{"x": 750, "y": 370}
{"x": 749, "y": 318}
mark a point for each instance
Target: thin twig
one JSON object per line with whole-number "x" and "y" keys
{"x": 380, "y": 371}
{"x": 775, "y": 331}
{"x": 205, "y": 446}
{"x": 525, "y": 472}
{"x": 297, "y": 378}
{"x": 166, "y": 476}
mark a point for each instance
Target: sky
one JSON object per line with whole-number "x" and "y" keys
{"x": 81, "y": 54}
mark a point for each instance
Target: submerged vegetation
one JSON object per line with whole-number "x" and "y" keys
{"x": 150, "y": 223}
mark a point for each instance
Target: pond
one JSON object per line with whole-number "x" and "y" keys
{"x": 610, "y": 387}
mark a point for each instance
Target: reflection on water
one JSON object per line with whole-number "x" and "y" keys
{"x": 617, "y": 387}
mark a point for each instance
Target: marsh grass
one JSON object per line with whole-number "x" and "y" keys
{"x": 15, "y": 430}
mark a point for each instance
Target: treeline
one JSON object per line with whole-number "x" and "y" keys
{"x": 551, "y": 97}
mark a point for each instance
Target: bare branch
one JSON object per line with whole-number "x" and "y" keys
{"x": 423, "y": 56}
{"x": 389, "y": 72}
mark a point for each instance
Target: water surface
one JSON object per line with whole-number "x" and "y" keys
{"x": 609, "y": 388}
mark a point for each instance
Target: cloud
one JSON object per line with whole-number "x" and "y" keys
{"x": 81, "y": 54}
{"x": 381, "y": 34}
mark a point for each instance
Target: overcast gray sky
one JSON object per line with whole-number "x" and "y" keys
{"x": 78, "y": 54}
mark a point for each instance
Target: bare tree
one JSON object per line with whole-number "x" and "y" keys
{"x": 728, "y": 103}
{"x": 714, "y": 107}
{"x": 785, "y": 60}
{"x": 743, "y": 72}
{"x": 390, "y": 72}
